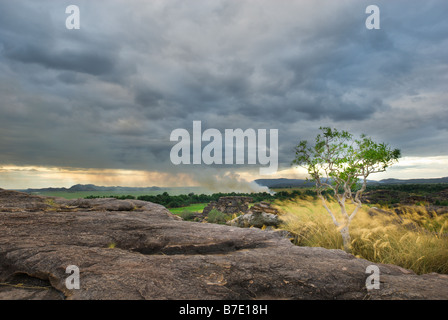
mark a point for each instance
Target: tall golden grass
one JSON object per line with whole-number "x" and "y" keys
{"x": 411, "y": 240}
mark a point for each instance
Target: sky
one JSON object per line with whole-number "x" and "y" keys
{"x": 98, "y": 104}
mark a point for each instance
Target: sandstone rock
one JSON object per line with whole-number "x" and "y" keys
{"x": 146, "y": 253}
{"x": 229, "y": 205}
{"x": 258, "y": 216}
{"x": 255, "y": 219}
{"x": 263, "y": 207}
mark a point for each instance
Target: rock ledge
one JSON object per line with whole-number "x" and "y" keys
{"x": 129, "y": 249}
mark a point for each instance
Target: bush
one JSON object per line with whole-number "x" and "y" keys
{"x": 215, "y": 216}
{"x": 187, "y": 215}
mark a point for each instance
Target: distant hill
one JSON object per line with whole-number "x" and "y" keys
{"x": 283, "y": 183}
{"x": 295, "y": 183}
{"x": 92, "y": 187}
{"x": 270, "y": 183}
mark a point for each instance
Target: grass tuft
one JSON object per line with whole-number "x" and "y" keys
{"x": 413, "y": 240}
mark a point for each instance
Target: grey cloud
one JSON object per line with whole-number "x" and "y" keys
{"x": 148, "y": 97}
{"x": 71, "y": 78}
{"x": 84, "y": 62}
{"x": 109, "y": 95}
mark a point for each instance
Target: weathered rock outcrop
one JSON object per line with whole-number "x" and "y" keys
{"x": 258, "y": 216}
{"x": 257, "y": 220}
{"x": 138, "y": 250}
{"x": 263, "y": 206}
{"x": 229, "y": 204}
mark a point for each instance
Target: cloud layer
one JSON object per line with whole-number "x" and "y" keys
{"x": 109, "y": 95}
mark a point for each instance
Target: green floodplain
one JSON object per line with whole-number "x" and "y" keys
{"x": 82, "y": 194}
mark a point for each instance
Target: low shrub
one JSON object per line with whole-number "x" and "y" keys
{"x": 216, "y": 216}
{"x": 187, "y": 215}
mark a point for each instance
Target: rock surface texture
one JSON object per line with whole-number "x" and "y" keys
{"x": 231, "y": 204}
{"x": 129, "y": 249}
{"x": 259, "y": 215}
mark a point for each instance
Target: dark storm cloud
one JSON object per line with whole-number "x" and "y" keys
{"x": 83, "y": 62}
{"x": 148, "y": 97}
{"x": 109, "y": 95}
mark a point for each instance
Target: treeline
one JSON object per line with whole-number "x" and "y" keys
{"x": 183, "y": 200}
{"x": 420, "y": 189}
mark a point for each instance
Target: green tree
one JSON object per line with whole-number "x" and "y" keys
{"x": 338, "y": 162}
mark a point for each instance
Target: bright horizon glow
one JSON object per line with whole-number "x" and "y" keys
{"x": 24, "y": 177}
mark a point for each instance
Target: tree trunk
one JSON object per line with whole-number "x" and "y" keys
{"x": 346, "y": 240}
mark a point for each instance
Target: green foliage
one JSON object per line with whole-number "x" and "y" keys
{"x": 416, "y": 188}
{"x": 196, "y": 207}
{"x": 195, "y": 202}
{"x": 340, "y": 159}
{"x": 216, "y": 216}
{"x": 390, "y": 194}
{"x": 184, "y": 200}
{"x": 187, "y": 215}
{"x": 119, "y": 197}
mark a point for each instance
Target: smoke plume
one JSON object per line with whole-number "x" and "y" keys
{"x": 227, "y": 182}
